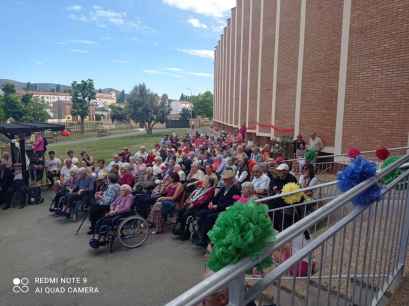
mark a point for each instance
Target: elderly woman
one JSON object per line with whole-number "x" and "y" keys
{"x": 195, "y": 174}
{"x": 199, "y": 199}
{"x": 126, "y": 177}
{"x": 121, "y": 206}
{"x": 103, "y": 200}
{"x": 247, "y": 193}
{"x": 166, "y": 204}
{"x": 157, "y": 167}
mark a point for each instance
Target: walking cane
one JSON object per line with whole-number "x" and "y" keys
{"x": 81, "y": 224}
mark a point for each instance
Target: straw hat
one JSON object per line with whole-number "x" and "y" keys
{"x": 228, "y": 174}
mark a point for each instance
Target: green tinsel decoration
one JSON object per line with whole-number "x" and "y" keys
{"x": 310, "y": 155}
{"x": 241, "y": 231}
{"x": 394, "y": 174}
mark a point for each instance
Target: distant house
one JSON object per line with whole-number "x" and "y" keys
{"x": 176, "y": 108}
{"x": 107, "y": 99}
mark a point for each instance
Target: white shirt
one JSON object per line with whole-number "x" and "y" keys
{"x": 311, "y": 183}
{"x": 53, "y": 164}
{"x": 66, "y": 172}
{"x": 182, "y": 175}
{"x": 316, "y": 144}
{"x": 261, "y": 183}
{"x": 242, "y": 177}
{"x": 111, "y": 163}
{"x": 156, "y": 169}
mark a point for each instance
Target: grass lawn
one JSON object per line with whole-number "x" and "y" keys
{"x": 105, "y": 148}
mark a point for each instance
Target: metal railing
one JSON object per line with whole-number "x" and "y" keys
{"x": 283, "y": 215}
{"x": 353, "y": 260}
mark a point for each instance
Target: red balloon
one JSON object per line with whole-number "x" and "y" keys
{"x": 382, "y": 153}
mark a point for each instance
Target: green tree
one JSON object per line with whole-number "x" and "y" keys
{"x": 145, "y": 107}
{"x": 121, "y": 97}
{"x": 35, "y": 110}
{"x": 2, "y": 110}
{"x": 118, "y": 113}
{"x": 26, "y": 99}
{"x": 9, "y": 89}
{"x": 58, "y": 88}
{"x": 82, "y": 94}
{"x": 11, "y": 103}
{"x": 203, "y": 104}
{"x": 28, "y": 86}
{"x": 164, "y": 108}
{"x": 185, "y": 114}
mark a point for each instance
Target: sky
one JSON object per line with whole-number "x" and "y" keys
{"x": 167, "y": 44}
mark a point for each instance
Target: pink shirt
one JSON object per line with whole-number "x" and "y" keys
{"x": 122, "y": 204}
{"x": 38, "y": 145}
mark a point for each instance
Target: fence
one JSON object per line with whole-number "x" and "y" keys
{"x": 354, "y": 259}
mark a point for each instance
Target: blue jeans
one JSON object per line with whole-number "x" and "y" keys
{"x": 168, "y": 206}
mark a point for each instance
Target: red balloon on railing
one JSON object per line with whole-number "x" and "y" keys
{"x": 382, "y": 153}
{"x": 65, "y": 133}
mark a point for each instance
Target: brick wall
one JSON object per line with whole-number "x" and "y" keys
{"x": 267, "y": 60}
{"x": 254, "y": 47}
{"x": 287, "y": 66}
{"x": 377, "y": 105}
{"x": 237, "y": 64}
{"x": 232, "y": 66}
{"x": 243, "y": 95}
{"x": 321, "y": 68}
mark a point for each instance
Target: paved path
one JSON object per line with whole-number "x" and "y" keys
{"x": 95, "y": 138}
{"x": 34, "y": 244}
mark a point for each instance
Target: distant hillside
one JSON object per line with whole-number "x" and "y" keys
{"x": 35, "y": 86}
{"x": 48, "y": 86}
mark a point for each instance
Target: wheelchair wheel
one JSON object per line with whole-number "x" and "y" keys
{"x": 133, "y": 232}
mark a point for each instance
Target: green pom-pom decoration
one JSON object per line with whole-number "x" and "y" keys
{"x": 241, "y": 231}
{"x": 394, "y": 174}
{"x": 310, "y": 155}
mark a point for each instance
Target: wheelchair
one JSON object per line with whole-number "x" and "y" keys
{"x": 77, "y": 210}
{"x": 130, "y": 229}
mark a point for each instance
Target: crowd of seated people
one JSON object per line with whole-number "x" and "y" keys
{"x": 184, "y": 181}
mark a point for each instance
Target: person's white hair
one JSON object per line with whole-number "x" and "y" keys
{"x": 125, "y": 187}
{"x": 248, "y": 185}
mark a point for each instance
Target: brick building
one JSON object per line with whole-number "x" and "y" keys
{"x": 337, "y": 67}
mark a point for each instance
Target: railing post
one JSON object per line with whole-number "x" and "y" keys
{"x": 237, "y": 290}
{"x": 405, "y": 229}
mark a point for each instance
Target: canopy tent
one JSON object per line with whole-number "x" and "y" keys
{"x": 23, "y": 130}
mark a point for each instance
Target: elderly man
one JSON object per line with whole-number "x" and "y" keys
{"x": 261, "y": 181}
{"x": 315, "y": 143}
{"x": 83, "y": 188}
{"x": 115, "y": 161}
{"x": 284, "y": 176}
{"x": 223, "y": 199}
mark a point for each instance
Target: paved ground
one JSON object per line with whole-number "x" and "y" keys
{"x": 34, "y": 244}
{"x": 117, "y": 135}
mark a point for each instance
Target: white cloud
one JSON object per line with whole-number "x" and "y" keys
{"x": 83, "y": 41}
{"x": 219, "y": 25}
{"x": 104, "y": 17}
{"x": 199, "y": 53}
{"x": 151, "y": 71}
{"x": 196, "y": 23}
{"x": 75, "y": 8}
{"x": 39, "y": 62}
{"x": 215, "y": 8}
{"x": 120, "y": 61}
{"x": 176, "y": 72}
{"x": 79, "y": 51}
{"x": 201, "y": 74}
{"x": 175, "y": 69}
